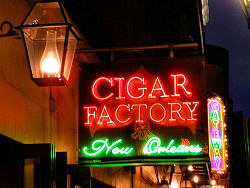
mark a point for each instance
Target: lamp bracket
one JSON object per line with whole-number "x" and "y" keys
{"x": 11, "y": 32}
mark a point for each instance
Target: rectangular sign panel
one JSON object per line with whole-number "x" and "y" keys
{"x": 143, "y": 112}
{"x": 217, "y": 135}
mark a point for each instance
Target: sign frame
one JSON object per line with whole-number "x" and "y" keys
{"x": 198, "y": 64}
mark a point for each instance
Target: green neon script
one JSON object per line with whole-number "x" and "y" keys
{"x": 104, "y": 147}
{"x": 153, "y": 146}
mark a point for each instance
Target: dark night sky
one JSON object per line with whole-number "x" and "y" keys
{"x": 228, "y": 28}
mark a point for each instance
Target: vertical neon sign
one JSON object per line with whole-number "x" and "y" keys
{"x": 217, "y": 136}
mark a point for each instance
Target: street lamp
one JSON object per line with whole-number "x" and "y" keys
{"x": 190, "y": 168}
{"x": 50, "y": 42}
{"x": 247, "y": 3}
{"x": 213, "y": 182}
{"x": 196, "y": 179}
{"x": 245, "y": 6}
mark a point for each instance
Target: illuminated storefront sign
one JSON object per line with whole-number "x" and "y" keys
{"x": 102, "y": 146}
{"x": 217, "y": 135}
{"x": 152, "y": 146}
{"x": 128, "y": 112}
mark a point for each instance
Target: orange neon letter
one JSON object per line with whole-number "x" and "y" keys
{"x": 139, "y": 112}
{"x": 191, "y": 110}
{"x": 129, "y": 87}
{"x": 90, "y": 114}
{"x": 105, "y": 114}
{"x": 95, "y": 88}
{"x": 182, "y": 85}
{"x": 150, "y": 112}
{"x": 176, "y": 111}
{"x": 120, "y": 80}
{"x": 158, "y": 88}
{"x": 116, "y": 113}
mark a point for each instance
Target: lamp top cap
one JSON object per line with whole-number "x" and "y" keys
{"x": 48, "y": 14}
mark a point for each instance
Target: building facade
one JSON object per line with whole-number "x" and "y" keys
{"x": 41, "y": 127}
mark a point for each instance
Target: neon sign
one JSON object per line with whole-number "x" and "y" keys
{"x": 139, "y": 83}
{"x": 102, "y": 146}
{"x": 105, "y": 147}
{"x": 153, "y": 146}
{"x": 179, "y": 83}
{"x": 217, "y": 135}
{"x": 141, "y": 112}
{"x": 139, "y": 100}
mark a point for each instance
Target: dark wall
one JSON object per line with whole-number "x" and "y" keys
{"x": 247, "y": 143}
{"x": 237, "y": 152}
{"x": 135, "y": 22}
{"x": 11, "y": 167}
{"x": 217, "y": 71}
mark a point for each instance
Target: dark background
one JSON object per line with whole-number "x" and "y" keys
{"x": 228, "y": 28}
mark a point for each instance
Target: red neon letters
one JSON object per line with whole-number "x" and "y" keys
{"x": 126, "y": 113}
{"x": 117, "y": 110}
{"x": 137, "y": 99}
{"x": 151, "y": 114}
{"x": 159, "y": 88}
{"x": 179, "y": 83}
{"x": 95, "y": 88}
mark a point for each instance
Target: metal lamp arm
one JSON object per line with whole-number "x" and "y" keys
{"x": 11, "y": 31}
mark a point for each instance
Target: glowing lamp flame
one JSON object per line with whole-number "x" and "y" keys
{"x": 50, "y": 62}
{"x": 50, "y": 65}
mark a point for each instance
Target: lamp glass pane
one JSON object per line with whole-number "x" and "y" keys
{"x": 36, "y": 39}
{"x": 71, "y": 47}
{"x": 45, "y": 13}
